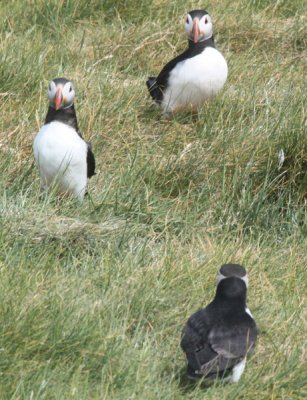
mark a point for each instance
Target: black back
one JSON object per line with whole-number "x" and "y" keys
{"x": 156, "y": 86}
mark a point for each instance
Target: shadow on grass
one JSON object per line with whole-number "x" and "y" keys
{"x": 187, "y": 384}
{"x": 182, "y": 118}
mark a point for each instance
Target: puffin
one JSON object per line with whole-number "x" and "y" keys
{"x": 62, "y": 156}
{"x": 217, "y": 338}
{"x": 196, "y": 75}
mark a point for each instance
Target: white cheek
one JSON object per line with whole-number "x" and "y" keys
{"x": 245, "y": 279}
{"x": 66, "y": 90}
{"x": 68, "y": 94}
{"x": 51, "y": 91}
{"x": 208, "y": 30}
{"x": 188, "y": 28}
{"x": 69, "y": 97}
{"x": 205, "y": 28}
{"x": 247, "y": 310}
{"x": 188, "y": 24}
{"x": 51, "y": 94}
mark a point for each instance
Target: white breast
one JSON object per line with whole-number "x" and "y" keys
{"x": 60, "y": 155}
{"x": 195, "y": 80}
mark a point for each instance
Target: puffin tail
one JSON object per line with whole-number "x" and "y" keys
{"x": 154, "y": 90}
{"x": 151, "y": 82}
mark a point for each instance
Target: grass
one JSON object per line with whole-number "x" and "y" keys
{"x": 93, "y": 298}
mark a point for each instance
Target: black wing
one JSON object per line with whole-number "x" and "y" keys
{"x": 156, "y": 86}
{"x": 194, "y": 341}
{"x": 230, "y": 345}
{"x": 90, "y": 159}
{"x": 213, "y": 350}
{"x": 154, "y": 90}
{"x": 195, "y": 332}
{"x": 234, "y": 341}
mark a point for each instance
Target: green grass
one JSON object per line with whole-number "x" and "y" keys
{"x": 93, "y": 298}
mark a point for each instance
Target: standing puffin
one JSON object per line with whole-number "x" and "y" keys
{"x": 194, "y": 76}
{"x": 218, "y": 338}
{"x": 63, "y": 157}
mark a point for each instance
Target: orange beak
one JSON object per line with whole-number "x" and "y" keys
{"x": 195, "y": 29}
{"x": 58, "y": 98}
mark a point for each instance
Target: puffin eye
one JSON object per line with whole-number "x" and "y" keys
{"x": 206, "y": 20}
{"x": 187, "y": 20}
{"x": 70, "y": 89}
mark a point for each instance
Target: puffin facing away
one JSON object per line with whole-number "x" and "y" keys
{"x": 194, "y": 76}
{"x": 218, "y": 338}
{"x": 63, "y": 157}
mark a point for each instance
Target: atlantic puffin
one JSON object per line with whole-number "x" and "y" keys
{"x": 194, "y": 76}
{"x": 218, "y": 338}
{"x": 63, "y": 157}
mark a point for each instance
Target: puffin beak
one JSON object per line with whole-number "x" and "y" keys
{"x": 195, "y": 30}
{"x": 58, "y": 98}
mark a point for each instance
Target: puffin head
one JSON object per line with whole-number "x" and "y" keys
{"x": 198, "y": 26}
{"x": 231, "y": 288}
{"x": 61, "y": 93}
{"x": 232, "y": 270}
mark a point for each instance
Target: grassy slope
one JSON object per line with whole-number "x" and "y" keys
{"x": 93, "y": 298}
